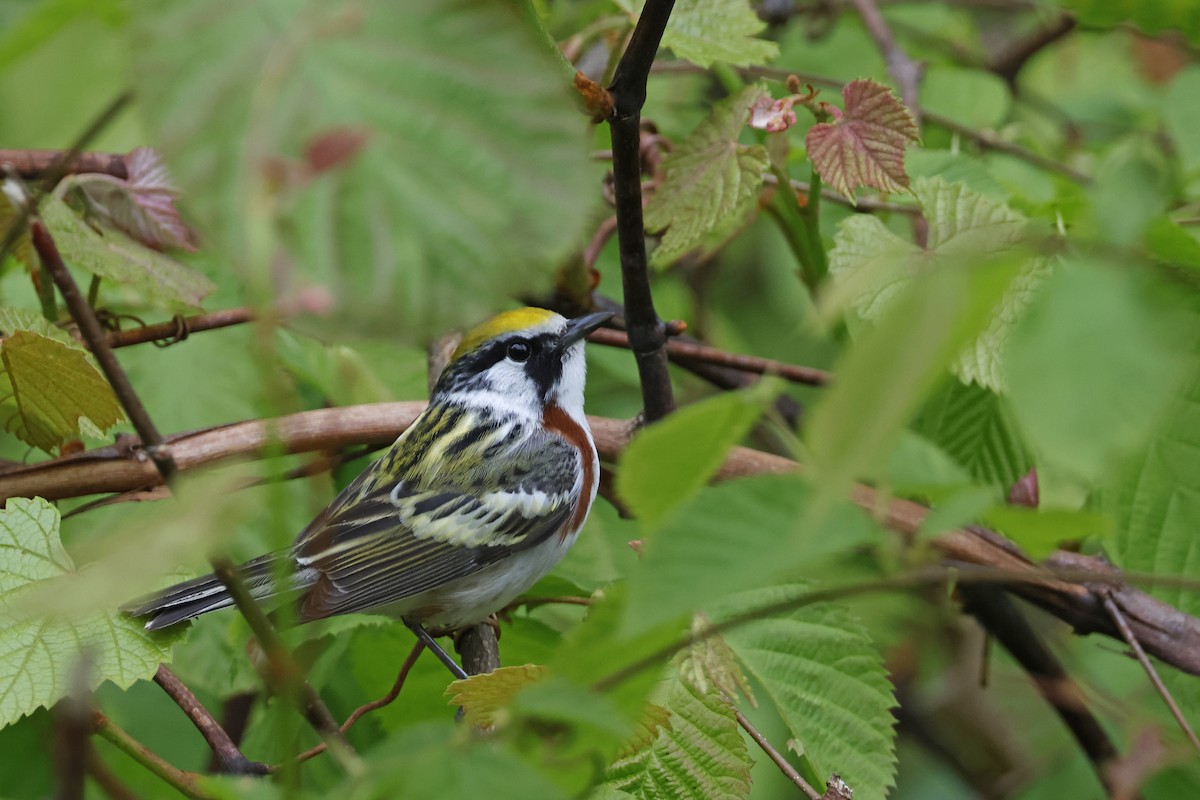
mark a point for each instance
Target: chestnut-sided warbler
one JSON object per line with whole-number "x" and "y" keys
{"x": 476, "y": 501}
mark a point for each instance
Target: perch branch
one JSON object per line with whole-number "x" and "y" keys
{"x": 776, "y": 757}
{"x": 1165, "y": 632}
{"x": 229, "y": 757}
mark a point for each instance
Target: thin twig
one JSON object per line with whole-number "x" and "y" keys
{"x": 366, "y": 708}
{"x": 646, "y": 331}
{"x": 180, "y": 328}
{"x": 780, "y": 760}
{"x": 534, "y": 602}
{"x": 38, "y": 164}
{"x": 688, "y": 351}
{"x": 1001, "y": 618}
{"x": 282, "y": 671}
{"x": 904, "y": 72}
{"x": 96, "y": 338}
{"x": 228, "y": 754}
{"x": 1113, "y": 611}
{"x": 187, "y": 783}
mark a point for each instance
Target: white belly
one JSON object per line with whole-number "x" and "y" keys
{"x": 474, "y": 598}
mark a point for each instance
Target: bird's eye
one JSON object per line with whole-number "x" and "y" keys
{"x": 519, "y": 351}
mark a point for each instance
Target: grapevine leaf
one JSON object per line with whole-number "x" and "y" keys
{"x": 141, "y": 205}
{"x": 864, "y": 145}
{"x": 827, "y": 680}
{"x": 709, "y": 178}
{"x": 706, "y": 31}
{"x": 38, "y": 656}
{"x": 111, "y": 254}
{"x": 700, "y": 755}
{"x": 48, "y": 389}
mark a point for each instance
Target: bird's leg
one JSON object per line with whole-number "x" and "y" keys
{"x": 435, "y": 648}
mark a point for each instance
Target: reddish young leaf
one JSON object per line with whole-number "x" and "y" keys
{"x": 864, "y": 145}
{"x": 143, "y": 205}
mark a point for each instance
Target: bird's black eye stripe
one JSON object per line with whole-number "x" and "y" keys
{"x": 519, "y": 350}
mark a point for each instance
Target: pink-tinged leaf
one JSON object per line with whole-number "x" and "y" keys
{"x": 864, "y": 144}
{"x": 142, "y": 205}
{"x": 1025, "y": 491}
{"x": 335, "y": 147}
{"x": 773, "y": 116}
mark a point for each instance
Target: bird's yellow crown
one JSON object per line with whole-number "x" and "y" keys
{"x": 504, "y": 322}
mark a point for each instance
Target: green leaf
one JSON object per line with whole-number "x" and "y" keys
{"x": 975, "y": 427}
{"x": 1155, "y": 493}
{"x": 706, "y": 31}
{"x": 39, "y": 656}
{"x": 1151, "y": 16}
{"x": 864, "y": 145}
{"x": 870, "y": 266}
{"x": 109, "y": 253}
{"x": 419, "y": 171}
{"x": 850, "y": 432}
{"x": 700, "y": 755}
{"x": 668, "y": 462}
{"x": 709, "y": 177}
{"x": 973, "y": 97}
{"x": 1091, "y": 366}
{"x": 820, "y": 668}
{"x": 1040, "y": 530}
{"x": 49, "y": 389}
{"x": 730, "y": 538}
{"x": 1182, "y": 117}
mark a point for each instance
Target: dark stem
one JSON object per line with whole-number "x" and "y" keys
{"x": 180, "y": 328}
{"x": 228, "y": 755}
{"x": 282, "y": 672}
{"x": 235, "y": 716}
{"x": 97, "y": 341}
{"x": 1000, "y": 616}
{"x": 647, "y": 334}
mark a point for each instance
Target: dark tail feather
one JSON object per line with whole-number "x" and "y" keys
{"x": 199, "y": 596}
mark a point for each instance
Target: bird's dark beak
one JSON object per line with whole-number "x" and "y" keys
{"x": 580, "y": 327}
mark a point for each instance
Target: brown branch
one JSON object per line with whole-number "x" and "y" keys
{"x": 38, "y": 164}
{"x": 685, "y": 352}
{"x": 366, "y": 708}
{"x": 1166, "y": 633}
{"x": 1119, "y": 619}
{"x": 186, "y": 783}
{"x": 777, "y": 757}
{"x": 180, "y": 328}
{"x": 904, "y": 72}
{"x": 229, "y": 757}
{"x": 1009, "y": 62}
{"x": 646, "y": 331}
{"x": 479, "y": 646}
{"x": 1001, "y": 618}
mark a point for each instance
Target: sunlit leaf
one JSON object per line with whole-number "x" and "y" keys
{"x": 39, "y": 657}
{"x": 48, "y": 389}
{"x": 820, "y": 668}
{"x": 481, "y": 696}
{"x": 709, "y": 177}
{"x": 864, "y": 145}
{"x": 707, "y": 31}
{"x": 111, "y": 254}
